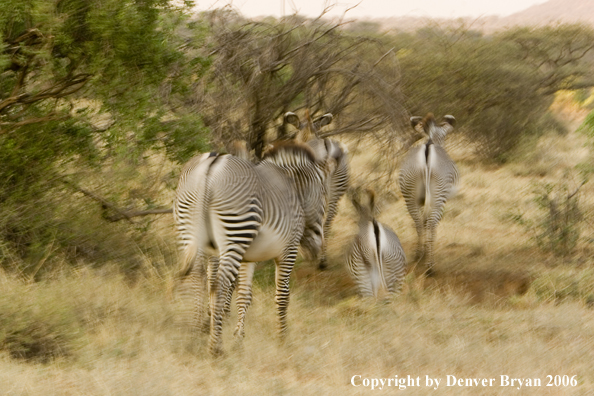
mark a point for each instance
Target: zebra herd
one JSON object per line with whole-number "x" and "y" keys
{"x": 230, "y": 213}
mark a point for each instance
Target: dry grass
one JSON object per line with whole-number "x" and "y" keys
{"x": 498, "y": 306}
{"x": 136, "y": 349}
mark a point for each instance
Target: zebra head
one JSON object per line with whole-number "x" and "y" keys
{"x": 330, "y": 153}
{"x": 436, "y": 132}
{"x": 309, "y": 174}
{"x": 366, "y": 211}
{"x": 308, "y": 129}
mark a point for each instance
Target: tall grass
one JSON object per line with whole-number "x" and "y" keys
{"x": 129, "y": 344}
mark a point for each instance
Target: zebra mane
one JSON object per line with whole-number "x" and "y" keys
{"x": 292, "y": 148}
{"x": 366, "y": 211}
{"x": 428, "y": 120}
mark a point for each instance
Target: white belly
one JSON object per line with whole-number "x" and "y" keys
{"x": 267, "y": 245}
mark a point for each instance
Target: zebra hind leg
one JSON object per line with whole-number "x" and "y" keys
{"x": 192, "y": 296}
{"x": 323, "y": 261}
{"x": 218, "y": 296}
{"x": 284, "y": 266}
{"x": 199, "y": 281}
{"x": 244, "y": 297}
{"x": 420, "y": 227}
{"x": 213, "y": 268}
{"x": 429, "y": 262}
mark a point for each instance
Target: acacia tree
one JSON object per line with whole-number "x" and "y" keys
{"x": 262, "y": 69}
{"x": 499, "y": 87}
{"x": 561, "y": 56}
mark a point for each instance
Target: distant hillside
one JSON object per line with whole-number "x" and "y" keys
{"x": 551, "y": 12}
{"x": 554, "y": 11}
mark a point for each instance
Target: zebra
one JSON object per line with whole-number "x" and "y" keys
{"x": 338, "y": 181}
{"x": 239, "y": 213}
{"x": 428, "y": 177}
{"x": 375, "y": 258}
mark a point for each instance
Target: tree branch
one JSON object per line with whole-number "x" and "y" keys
{"x": 12, "y": 125}
{"x": 121, "y": 214}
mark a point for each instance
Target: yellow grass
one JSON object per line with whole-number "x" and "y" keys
{"x": 498, "y": 306}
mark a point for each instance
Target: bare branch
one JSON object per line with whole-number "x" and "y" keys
{"x": 141, "y": 213}
{"x": 120, "y": 214}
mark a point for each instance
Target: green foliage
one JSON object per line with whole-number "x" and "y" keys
{"x": 90, "y": 100}
{"x": 560, "y": 223}
{"x": 498, "y": 87}
{"x": 557, "y": 227}
{"x": 560, "y": 55}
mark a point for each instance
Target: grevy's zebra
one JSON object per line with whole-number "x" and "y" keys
{"x": 428, "y": 177}
{"x": 375, "y": 259}
{"x": 243, "y": 213}
{"x": 338, "y": 181}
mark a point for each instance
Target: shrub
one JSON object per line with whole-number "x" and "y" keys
{"x": 557, "y": 227}
{"x": 36, "y": 324}
{"x": 560, "y": 222}
{"x": 561, "y": 286}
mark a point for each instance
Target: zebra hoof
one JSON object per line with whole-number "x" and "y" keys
{"x": 430, "y": 272}
{"x": 217, "y": 352}
{"x": 238, "y": 345}
{"x": 239, "y": 333}
{"x": 204, "y": 328}
{"x": 323, "y": 265}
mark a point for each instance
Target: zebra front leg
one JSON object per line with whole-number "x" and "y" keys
{"x": 244, "y": 296}
{"x": 323, "y": 263}
{"x": 284, "y": 266}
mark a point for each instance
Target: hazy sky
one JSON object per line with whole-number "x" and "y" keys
{"x": 377, "y": 8}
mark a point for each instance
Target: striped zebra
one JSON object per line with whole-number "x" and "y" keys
{"x": 428, "y": 177}
{"x": 375, "y": 258}
{"x": 240, "y": 213}
{"x": 327, "y": 150}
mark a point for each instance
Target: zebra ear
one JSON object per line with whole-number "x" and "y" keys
{"x": 414, "y": 121}
{"x": 322, "y": 121}
{"x": 450, "y": 119}
{"x": 293, "y": 119}
{"x": 239, "y": 149}
{"x": 267, "y": 148}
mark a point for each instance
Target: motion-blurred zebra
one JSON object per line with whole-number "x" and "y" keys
{"x": 338, "y": 181}
{"x": 428, "y": 177}
{"x": 242, "y": 213}
{"x": 375, "y": 258}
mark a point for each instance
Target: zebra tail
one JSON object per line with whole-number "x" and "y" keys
{"x": 427, "y": 176}
{"x": 196, "y": 180}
